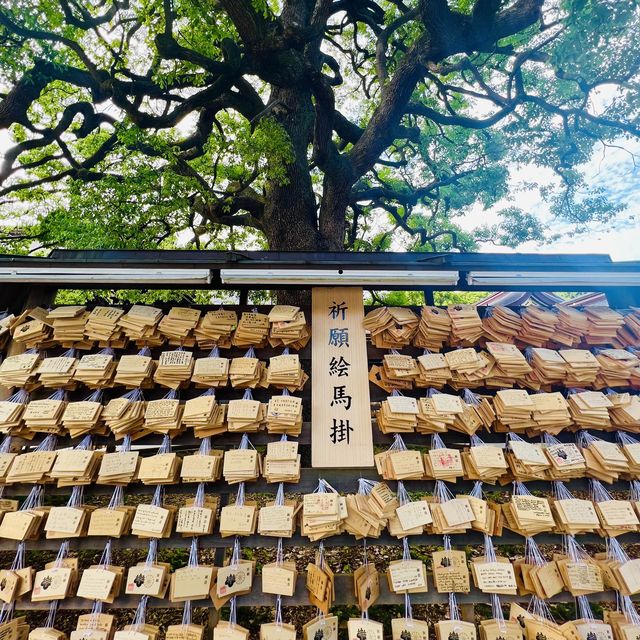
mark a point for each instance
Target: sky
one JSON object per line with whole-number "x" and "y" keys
{"x": 616, "y": 173}
{"x": 613, "y": 169}
{"x": 620, "y": 238}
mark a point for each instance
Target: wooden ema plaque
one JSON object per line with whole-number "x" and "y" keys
{"x": 341, "y": 435}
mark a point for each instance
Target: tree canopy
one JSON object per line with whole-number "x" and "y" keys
{"x": 307, "y": 124}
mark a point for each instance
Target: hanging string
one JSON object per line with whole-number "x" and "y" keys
{"x": 141, "y": 613}
{"x": 574, "y": 551}
{"x": 634, "y": 490}
{"x": 454, "y": 610}
{"x": 476, "y": 441}
{"x": 152, "y": 554}
{"x": 408, "y": 610}
{"x": 158, "y": 496}
{"x": 520, "y": 489}
{"x": 105, "y": 558}
{"x": 6, "y": 612}
{"x": 365, "y": 486}
{"x": 560, "y": 491}
{"x": 540, "y": 609}
{"x": 48, "y": 444}
{"x": 406, "y": 553}
{"x": 19, "y": 397}
{"x": 165, "y": 447}
{"x": 186, "y": 613}
{"x": 625, "y": 439}
{"x": 279, "y": 501}
{"x": 437, "y": 442}
{"x": 476, "y": 492}
{"x": 584, "y": 608}
{"x": 532, "y": 554}
{"x": 496, "y": 611}
{"x": 94, "y": 616}
{"x": 34, "y": 499}
{"x": 279, "y": 553}
{"x": 514, "y": 437}
{"x": 117, "y": 498}
{"x": 63, "y": 553}
{"x": 615, "y": 551}
{"x": 441, "y": 492}
{"x": 233, "y": 612}
{"x": 321, "y": 560}
{"x": 96, "y": 396}
{"x": 135, "y": 395}
{"x": 324, "y": 487}
{"x": 403, "y": 494}
{"x": 198, "y": 501}
{"x": 489, "y": 549}
{"x": 18, "y": 561}
{"x": 235, "y": 556}
{"x": 627, "y": 607}
{"x": 86, "y": 444}
{"x": 205, "y": 446}
{"x": 245, "y": 443}
{"x": 5, "y": 447}
{"x": 398, "y": 443}
{"x": 53, "y": 610}
{"x": 77, "y": 497}
{"x": 240, "y": 495}
{"x": 125, "y": 447}
{"x": 584, "y": 439}
{"x": 549, "y": 440}
{"x": 59, "y": 394}
{"x": 597, "y": 491}
{"x": 193, "y": 553}
{"x": 470, "y": 397}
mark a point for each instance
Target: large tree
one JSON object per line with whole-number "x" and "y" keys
{"x": 306, "y": 124}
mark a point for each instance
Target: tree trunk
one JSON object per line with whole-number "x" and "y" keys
{"x": 290, "y": 220}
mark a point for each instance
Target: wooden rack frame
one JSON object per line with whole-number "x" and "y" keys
{"x": 16, "y": 297}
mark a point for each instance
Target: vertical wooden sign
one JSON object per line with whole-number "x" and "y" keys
{"x": 341, "y": 433}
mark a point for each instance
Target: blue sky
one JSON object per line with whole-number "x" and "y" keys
{"x": 615, "y": 172}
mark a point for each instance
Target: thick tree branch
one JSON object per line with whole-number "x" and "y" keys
{"x": 91, "y": 121}
{"x": 83, "y": 170}
{"x": 411, "y": 196}
{"x": 86, "y": 20}
{"x": 446, "y": 33}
